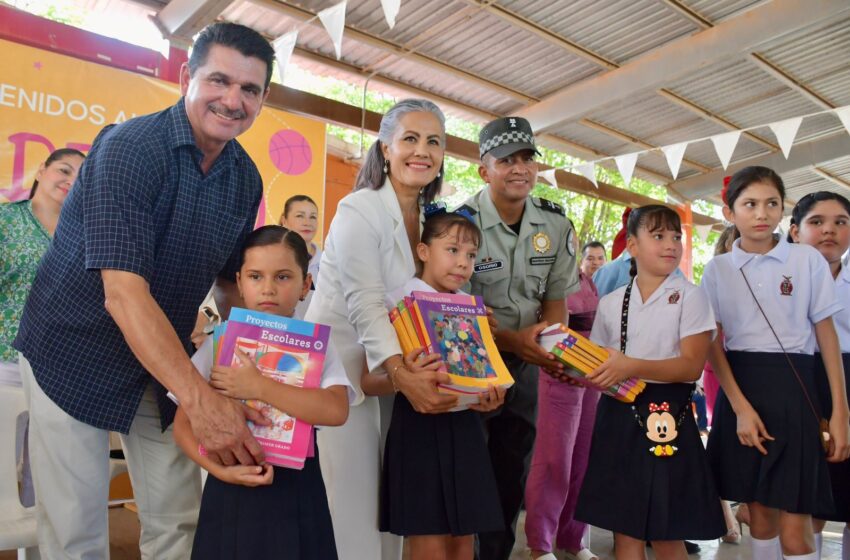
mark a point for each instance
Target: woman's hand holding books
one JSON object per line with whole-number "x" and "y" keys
{"x": 417, "y": 379}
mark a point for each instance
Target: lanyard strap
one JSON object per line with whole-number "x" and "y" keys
{"x": 624, "y": 318}
{"x": 787, "y": 357}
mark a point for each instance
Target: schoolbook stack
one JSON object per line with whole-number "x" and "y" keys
{"x": 582, "y": 356}
{"x": 455, "y": 327}
{"x": 288, "y": 351}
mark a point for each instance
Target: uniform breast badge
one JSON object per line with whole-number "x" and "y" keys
{"x": 786, "y": 287}
{"x": 541, "y": 242}
{"x": 674, "y": 298}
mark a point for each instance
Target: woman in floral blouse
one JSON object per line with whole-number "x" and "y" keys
{"x": 25, "y": 231}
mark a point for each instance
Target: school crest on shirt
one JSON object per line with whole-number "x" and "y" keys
{"x": 674, "y": 298}
{"x": 786, "y": 287}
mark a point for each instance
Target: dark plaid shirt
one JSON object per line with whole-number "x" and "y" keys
{"x": 140, "y": 204}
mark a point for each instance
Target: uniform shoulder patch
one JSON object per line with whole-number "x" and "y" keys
{"x": 549, "y": 206}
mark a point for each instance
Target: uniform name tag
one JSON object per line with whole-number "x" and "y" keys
{"x": 541, "y": 260}
{"x": 488, "y": 266}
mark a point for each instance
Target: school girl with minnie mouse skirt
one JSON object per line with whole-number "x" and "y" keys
{"x": 795, "y": 290}
{"x": 648, "y": 477}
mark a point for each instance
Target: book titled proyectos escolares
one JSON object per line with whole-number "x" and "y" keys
{"x": 286, "y": 350}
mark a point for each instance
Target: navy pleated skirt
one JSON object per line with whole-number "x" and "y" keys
{"x": 839, "y": 473}
{"x": 437, "y": 476}
{"x": 793, "y": 476}
{"x": 287, "y": 520}
{"x": 634, "y": 487}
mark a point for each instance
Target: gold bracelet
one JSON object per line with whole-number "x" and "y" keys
{"x": 391, "y": 375}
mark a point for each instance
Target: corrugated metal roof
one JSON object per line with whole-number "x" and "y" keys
{"x": 483, "y": 42}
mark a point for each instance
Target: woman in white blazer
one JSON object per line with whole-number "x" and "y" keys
{"x": 369, "y": 252}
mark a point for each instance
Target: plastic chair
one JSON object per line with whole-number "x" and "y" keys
{"x": 17, "y": 523}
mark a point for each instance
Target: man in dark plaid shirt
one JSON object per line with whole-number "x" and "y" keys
{"x": 159, "y": 211}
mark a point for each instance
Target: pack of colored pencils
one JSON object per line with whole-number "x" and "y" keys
{"x": 582, "y": 357}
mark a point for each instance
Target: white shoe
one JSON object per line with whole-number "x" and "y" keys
{"x": 583, "y": 554}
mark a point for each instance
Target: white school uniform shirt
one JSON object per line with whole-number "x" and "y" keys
{"x": 793, "y": 285}
{"x": 676, "y": 309}
{"x": 842, "y": 318}
{"x": 332, "y": 370}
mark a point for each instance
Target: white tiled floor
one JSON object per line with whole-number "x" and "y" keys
{"x": 601, "y": 542}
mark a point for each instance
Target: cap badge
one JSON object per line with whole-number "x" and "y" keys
{"x": 541, "y": 242}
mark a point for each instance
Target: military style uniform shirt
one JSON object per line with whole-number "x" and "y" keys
{"x": 515, "y": 273}
{"x": 793, "y": 285}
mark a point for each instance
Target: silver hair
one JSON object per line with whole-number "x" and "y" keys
{"x": 371, "y": 175}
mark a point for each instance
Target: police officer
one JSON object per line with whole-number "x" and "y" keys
{"x": 525, "y": 268}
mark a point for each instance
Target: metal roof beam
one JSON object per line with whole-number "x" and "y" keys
{"x": 388, "y": 46}
{"x": 549, "y": 140}
{"x": 832, "y": 178}
{"x": 185, "y": 18}
{"x": 806, "y": 154}
{"x": 614, "y": 133}
{"x": 731, "y": 38}
{"x": 759, "y": 60}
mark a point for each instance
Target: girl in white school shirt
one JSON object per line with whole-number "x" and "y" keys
{"x": 765, "y": 445}
{"x": 648, "y": 478}
{"x": 822, "y": 220}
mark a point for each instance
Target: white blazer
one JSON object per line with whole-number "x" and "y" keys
{"x": 367, "y": 254}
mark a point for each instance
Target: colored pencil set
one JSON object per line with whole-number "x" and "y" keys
{"x": 583, "y": 357}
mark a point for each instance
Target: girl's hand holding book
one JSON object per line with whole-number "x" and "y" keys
{"x": 245, "y": 475}
{"x": 615, "y": 369}
{"x": 492, "y": 399}
{"x": 239, "y": 382}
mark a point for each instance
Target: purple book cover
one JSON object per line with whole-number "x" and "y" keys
{"x": 289, "y": 351}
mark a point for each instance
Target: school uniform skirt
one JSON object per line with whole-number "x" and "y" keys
{"x": 287, "y": 520}
{"x": 839, "y": 473}
{"x": 437, "y": 477}
{"x": 636, "y": 488}
{"x": 793, "y": 476}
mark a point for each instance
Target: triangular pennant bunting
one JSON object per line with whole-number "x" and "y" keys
{"x": 283, "y": 47}
{"x": 844, "y": 114}
{"x": 589, "y": 172}
{"x": 702, "y": 231}
{"x": 785, "y": 132}
{"x": 724, "y": 145}
{"x": 391, "y": 8}
{"x": 626, "y": 166}
{"x": 333, "y": 19}
{"x": 674, "y": 154}
{"x": 549, "y": 176}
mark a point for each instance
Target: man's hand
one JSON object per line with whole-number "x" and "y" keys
{"x": 524, "y": 343}
{"x": 219, "y": 425}
{"x": 418, "y": 381}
